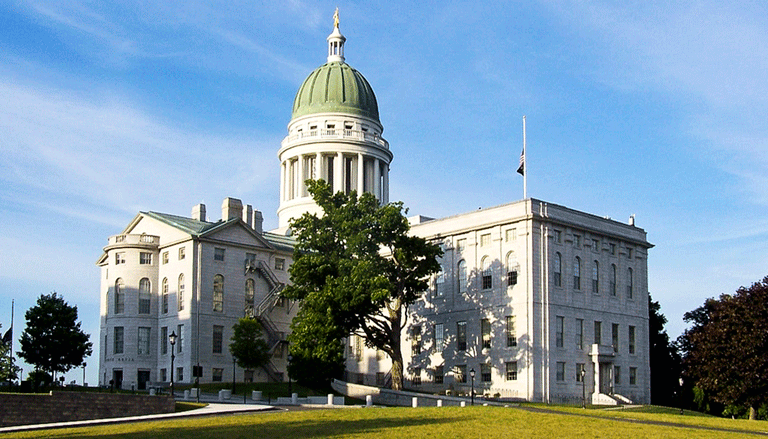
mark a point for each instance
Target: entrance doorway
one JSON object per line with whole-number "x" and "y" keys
{"x": 606, "y": 380}
{"x": 143, "y": 379}
{"x": 117, "y": 378}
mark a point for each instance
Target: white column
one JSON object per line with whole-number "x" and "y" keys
{"x": 300, "y": 183}
{"x": 338, "y": 173}
{"x": 317, "y": 172}
{"x": 282, "y": 181}
{"x": 360, "y": 174}
{"x": 386, "y": 183}
{"x": 377, "y": 179}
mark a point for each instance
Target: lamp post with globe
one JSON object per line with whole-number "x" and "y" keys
{"x": 172, "y": 340}
{"x": 472, "y": 391}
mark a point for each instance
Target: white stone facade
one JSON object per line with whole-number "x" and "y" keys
{"x": 503, "y": 308}
{"x": 167, "y": 274}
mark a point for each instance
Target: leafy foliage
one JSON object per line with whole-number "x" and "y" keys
{"x": 247, "y": 346}
{"x": 356, "y": 270}
{"x": 664, "y": 359}
{"x": 8, "y": 371}
{"x": 726, "y": 349}
{"x": 53, "y": 341}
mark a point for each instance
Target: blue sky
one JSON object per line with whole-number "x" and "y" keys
{"x": 653, "y": 109}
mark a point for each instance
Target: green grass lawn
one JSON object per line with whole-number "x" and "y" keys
{"x": 397, "y": 423}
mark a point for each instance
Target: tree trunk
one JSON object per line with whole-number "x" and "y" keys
{"x": 397, "y": 370}
{"x": 752, "y": 413}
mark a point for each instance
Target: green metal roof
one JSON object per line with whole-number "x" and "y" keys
{"x": 335, "y": 87}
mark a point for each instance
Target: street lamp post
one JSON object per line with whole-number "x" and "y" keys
{"x": 472, "y": 392}
{"x": 172, "y": 340}
{"x": 83, "y": 373}
{"x": 583, "y": 388}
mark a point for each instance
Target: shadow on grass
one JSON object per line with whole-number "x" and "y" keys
{"x": 258, "y": 426}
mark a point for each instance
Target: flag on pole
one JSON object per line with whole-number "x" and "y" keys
{"x": 8, "y": 337}
{"x": 521, "y": 168}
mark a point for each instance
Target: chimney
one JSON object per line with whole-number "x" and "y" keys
{"x": 248, "y": 215}
{"x": 258, "y": 221}
{"x": 231, "y": 208}
{"x": 198, "y": 212}
{"x": 632, "y": 220}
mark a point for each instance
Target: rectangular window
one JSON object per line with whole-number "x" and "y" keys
{"x": 511, "y": 278}
{"x": 512, "y": 371}
{"x": 218, "y": 338}
{"x": 560, "y": 372}
{"x": 461, "y": 336}
{"x": 164, "y": 341}
{"x": 439, "y": 374}
{"x": 416, "y": 378}
{"x": 165, "y": 257}
{"x": 632, "y": 376}
{"x": 460, "y": 373}
{"x": 279, "y": 264}
{"x": 218, "y": 254}
{"x": 416, "y": 340}
{"x": 439, "y": 337}
{"x": 485, "y": 330}
{"x": 485, "y": 373}
{"x": 143, "y": 348}
{"x": 118, "y": 340}
{"x": 580, "y": 372}
{"x": 180, "y": 338}
{"x": 613, "y": 248}
{"x": 615, "y": 337}
{"x": 179, "y": 374}
{"x": 461, "y": 244}
{"x": 579, "y": 333}
{"x": 144, "y": 298}
{"x": 596, "y": 245}
{"x": 511, "y": 333}
{"x": 119, "y": 258}
{"x": 510, "y": 235}
{"x": 487, "y": 280}
{"x": 559, "y": 331}
{"x": 485, "y": 239}
{"x": 631, "y": 339}
{"x": 182, "y": 254}
{"x": 163, "y": 375}
{"x": 145, "y": 258}
{"x": 617, "y": 375}
{"x": 576, "y": 241}
{"x": 439, "y": 282}
{"x": 598, "y": 332}
{"x": 629, "y": 253}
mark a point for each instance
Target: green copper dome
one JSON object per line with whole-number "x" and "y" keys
{"x": 335, "y": 87}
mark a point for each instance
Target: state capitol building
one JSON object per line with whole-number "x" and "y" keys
{"x": 541, "y": 301}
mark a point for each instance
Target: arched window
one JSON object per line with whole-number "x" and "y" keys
{"x": 577, "y": 273}
{"x": 119, "y": 296}
{"x": 144, "y": 296}
{"x": 595, "y": 277}
{"x": 250, "y": 291}
{"x": 613, "y": 279}
{"x": 630, "y": 283}
{"x": 487, "y": 273}
{"x": 180, "y": 295}
{"x": 512, "y": 269}
{"x": 218, "y": 293}
{"x": 164, "y": 295}
{"x": 558, "y": 269}
{"x": 462, "y": 268}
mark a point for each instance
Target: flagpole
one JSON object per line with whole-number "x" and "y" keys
{"x": 10, "y": 350}
{"x": 525, "y": 170}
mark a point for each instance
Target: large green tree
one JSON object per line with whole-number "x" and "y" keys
{"x": 664, "y": 359}
{"x": 53, "y": 341}
{"x": 726, "y": 349}
{"x": 247, "y": 344}
{"x": 356, "y": 270}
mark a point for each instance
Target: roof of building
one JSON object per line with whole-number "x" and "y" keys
{"x": 335, "y": 87}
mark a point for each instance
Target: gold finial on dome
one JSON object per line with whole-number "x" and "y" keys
{"x": 336, "y": 18}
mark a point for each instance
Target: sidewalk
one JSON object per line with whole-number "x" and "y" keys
{"x": 214, "y": 407}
